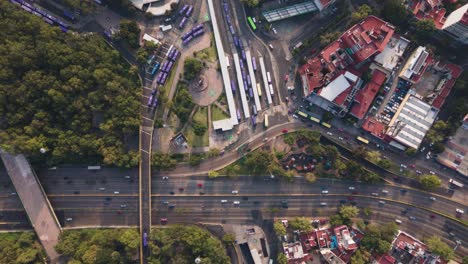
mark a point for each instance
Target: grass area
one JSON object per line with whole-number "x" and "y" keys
{"x": 10, "y": 236}
{"x": 217, "y": 113}
{"x": 208, "y": 54}
{"x": 200, "y": 116}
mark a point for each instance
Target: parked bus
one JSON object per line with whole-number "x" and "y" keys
{"x": 268, "y": 77}
{"x": 254, "y": 121}
{"x": 266, "y": 121}
{"x": 456, "y": 183}
{"x": 183, "y": 10}
{"x": 326, "y": 125}
{"x": 238, "y": 115}
{"x": 362, "y": 140}
{"x": 145, "y": 240}
{"x": 189, "y": 11}
{"x": 302, "y": 114}
{"x": 272, "y": 92}
{"x": 259, "y": 90}
{"x": 251, "y": 23}
{"x": 233, "y": 86}
{"x": 314, "y": 119}
{"x": 254, "y": 64}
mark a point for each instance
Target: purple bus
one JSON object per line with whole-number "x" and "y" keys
{"x": 189, "y": 11}
{"x": 150, "y": 100}
{"x": 182, "y": 23}
{"x": 145, "y": 240}
{"x": 198, "y": 33}
{"x": 233, "y": 86}
{"x": 197, "y": 27}
{"x": 155, "y": 102}
{"x": 182, "y": 11}
{"x": 250, "y": 92}
{"x": 248, "y": 80}
{"x": 238, "y": 115}
{"x": 159, "y": 76}
{"x": 185, "y": 42}
{"x": 231, "y": 29}
{"x": 243, "y": 54}
{"x": 225, "y": 8}
{"x": 245, "y": 86}
{"x": 236, "y": 41}
{"x": 254, "y": 121}
{"x": 176, "y": 54}
{"x": 228, "y": 19}
{"x": 255, "y": 110}
{"x": 186, "y": 35}
{"x": 243, "y": 75}
{"x": 254, "y": 64}
{"x": 169, "y": 67}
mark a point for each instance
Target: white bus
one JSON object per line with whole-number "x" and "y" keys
{"x": 227, "y": 61}
{"x": 456, "y": 183}
{"x": 268, "y": 77}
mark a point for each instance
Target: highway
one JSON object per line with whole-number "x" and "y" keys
{"x": 257, "y": 196}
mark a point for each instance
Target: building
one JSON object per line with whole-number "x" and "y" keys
{"x": 294, "y": 253}
{"x": 454, "y": 155}
{"x": 155, "y": 7}
{"x": 456, "y": 24}
{"x": 366, "y": 95}
{"x": 390, "y": 57}
{"x": 330, "y": 257}
{"x": 333, "y": 77}
{"x": 296, "y": 9}
{"x": 344, "y": 240}
{"x": 407, "y": 249}
{"x": 415, "y": 65}
{"x": 411, "y": 122}
{"x": 428, "y": 9}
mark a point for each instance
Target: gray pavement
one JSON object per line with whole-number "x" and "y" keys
{"x": 34, "y": 200}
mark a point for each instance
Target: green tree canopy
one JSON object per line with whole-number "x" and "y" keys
{"x": 192, "y": 68}
{"x": 438, "y": 247}
{"x": 329, "y": 37}
{"x": 430, "y": 182}
{"x": 348, "y": 211}
{"x": 279, "y": 228}
{"x": 130, "y": 32}
{"x": 162, "y": 161}
{"x": 251, "y": 3}
{"x": 300, "y": 223}
{"x": 259, "y": 161}
{"x": 395, "y": 12}
{"x": 424, "y": 28}
{"x": 362, "y": 12}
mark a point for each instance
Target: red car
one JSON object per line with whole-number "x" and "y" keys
{"x": 432, "y": 216}
{"x": 350, "y": 198}
{"x": 181, "y": 189}
{"x": 200, "y": 185}
{"x": 163, "y": 221}
{"x": 285, "y": 131}
{"x": 412, "y": 166}
{"x": 286, "y": 77}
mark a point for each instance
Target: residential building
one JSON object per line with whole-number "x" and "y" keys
{"x": 456, "y": 24}
{"x": 366, "y": 95}
{"x": 454, "y": 155}
{"x": 428, "y": 9}
{"x": 332, "y": 79}
{"x": 294, "y": 253}
{"x": 391, "y": 56}
{"x": 415, "y": 65}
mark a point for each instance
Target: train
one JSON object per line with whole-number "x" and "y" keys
{"x": 41, "y": 13}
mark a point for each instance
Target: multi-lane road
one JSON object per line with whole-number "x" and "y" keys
{"x": 93, "y": 206}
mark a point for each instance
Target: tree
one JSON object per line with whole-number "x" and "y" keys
{"x": 329, "y": 37}
{"x": 383, "y": 247}
{"x": 430, "y": 182}
{"x": 131, "y": 239}
{"x": 327, "y": 117}
{"x": 348, "y": 211}
{"x": 310, "y": 177}
{"x": 373, "y": 156}
{"x": 300, "y": 223}
{"x": 195, "y": 160}
{"x": 130, "y": 32}
{"x": 282, "y": 259}
{"x": 465, "y": 260}
{"x": 213, "y": 152}
{"x": 213, "y": 174}
{"x": 336, "y": 220}
{"x": 259, "y": 161}
{"x": 279, "y": 228}
{"x": 384, "y": 163}
{"x": 361, "y": 256}
{"x": 424, "y": 28}
{"x": 162, "y": 161}
{"x": 192, "y": 67}
{"x": 362, "y": 12}
{"x": 232, "y": 170}
{"x": 388, "y": 231}
{"x": 438, "y": 148}
{"x": 367, "y": 211}
{"x": 229, "y": 238}
{"x": 199, "y": 129}
{"x": 251, "y": 3}
{"x": 395, "y": 12}
{"x": 438, "y": 247}
{"x": 437, "y": 132}
{"x": 410, "y": 151}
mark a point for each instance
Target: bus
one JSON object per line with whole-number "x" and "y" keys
{"x": 302, "y": 114}
{"x": 456, "y": 183}
{"x": 326, "y": 125}
{"x": 259, "y": 90}
{"x": 314, "y": 119}
{"x": 268, "y": 77}
{"x": 145, "y": 239}
{"x": 266, "y": 121}
{"x": 251, "y": 23}
{"x": 362, "y": 140}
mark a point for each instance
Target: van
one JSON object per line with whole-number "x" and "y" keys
{"x": 398, "y": 221}
{"x": 324, "y": 191}
{"x": 460, "y": 211}
{"x": 382, "y": 202}
{"x": 271, "y": 46}
{"x": 223, "y": 201}
{"x": 375, "y": 194}
{"x": 116, "y": 192}
{"x": 323, "y": 204}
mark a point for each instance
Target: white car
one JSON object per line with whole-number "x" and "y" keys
{"x": 329, "y": 133}
{"x": 460, "y": 211}
{"x": 324, "y": 191}
{"x": 340, "y": 138}
{"x": 381, "y": 202}
{"x": 102, "y": 189}
{"x": 223, "y": 201}
{"x": 432, "y": 198}
{"x": 69, "y": 219}
{"x": 116, "y": 192}
{"x": 375, "y": 194}
{"x": 398, "y": 221}
{"x": 384, "y": 191}
{"x": 236, "y": 202}
{"x": 323, "y": 204}
{"x": 235, "y": 192}
{"x": 274, "y": 30}
{"x": 165, "y": 178}
{"x": 431, "y": 172}
{"x": 351, "y": 187}
{"x": 127, "y": 177}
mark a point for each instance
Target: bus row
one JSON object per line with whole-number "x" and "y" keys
{"x": 192, "y": 31}
{"x": 312, "y": 118}
{"x": 193, "y": 36}
{"x": 186, "y": 10}
{"x": 173, "y": 54}
{"x": 41, "y": 13}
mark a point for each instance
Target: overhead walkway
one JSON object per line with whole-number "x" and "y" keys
{"x": 35, "y": 202}
{"x": 290, "y": 11}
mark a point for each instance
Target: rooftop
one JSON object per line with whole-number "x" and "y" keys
{"x": 392, "y": 53}
{"x": 429, "y": 9}
{"x": 455, "y": 152}
{"x": 366, "y": 95}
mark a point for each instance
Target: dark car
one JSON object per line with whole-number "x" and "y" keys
{"x": 342, "y": 201}
{"x": 245, "y": 198}
{"x": 171, "y": 192}
{"x": 353, "y": 203}
{"x": 181, "y": 189}
{"x": 202, "y": 193}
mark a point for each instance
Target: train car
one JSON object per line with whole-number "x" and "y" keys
{"x": 183, "y": 10}
{"x": 15, "y": 2}
{"x": 65, "y": 30}
{"x": 225, "y": 6}
{"x": 182, "y": 23}
{"x": 233, "y": 86}
{"x": 238, "y": 115}
{"x": 228, "y": 19}
{"x": 46, "y": 19}
{"x": 189, "y": 11}
{"x": 26, "y": 8}
{"x": 254, "y": 64}
{"x": 231, "y": 29}
{"x": 186, "y": 35}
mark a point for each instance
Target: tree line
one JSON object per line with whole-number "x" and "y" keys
{"x": 69, "y": 94}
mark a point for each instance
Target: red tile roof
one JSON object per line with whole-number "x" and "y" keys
{"x": 429, "y": 9}
{"x": 365, "y": 96}
{"x": 374, "y": 127}
{"x": 385, "y": 259}
{"x": 323, "y": 237}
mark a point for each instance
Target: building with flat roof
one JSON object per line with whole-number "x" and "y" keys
{"x": 155, "y": 7}
{"x": 332, "y": 78}
{"x": 456, "y": 24}
{"x": 415, "y": 65}
{"x": 454, "y": 155}
{"x": 411, "y": 122}
{"x": 296, "y": 9}
{"x": 389, "y": 58}
{"x": 294, "y": 253}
